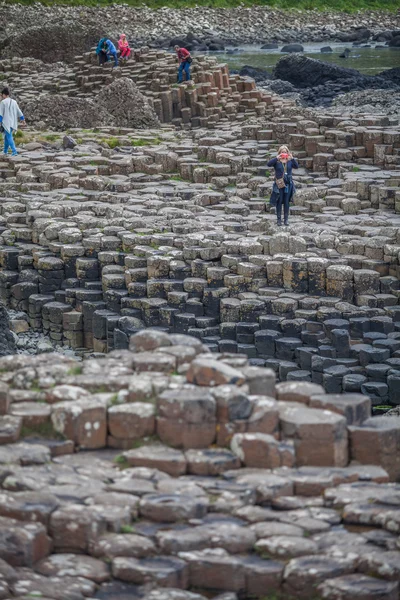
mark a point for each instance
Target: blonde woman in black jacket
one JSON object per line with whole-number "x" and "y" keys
{"x": 282, "y": 196}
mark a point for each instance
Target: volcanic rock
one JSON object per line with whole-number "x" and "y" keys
{"x": 7, "y": 342}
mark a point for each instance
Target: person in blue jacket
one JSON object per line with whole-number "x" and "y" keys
{"x": 101, "y": 51}
{"x": 111, "y": 51}
{"x": 282, "y": 196}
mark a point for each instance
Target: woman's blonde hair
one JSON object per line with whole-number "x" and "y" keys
{"x": 283, "y": 149}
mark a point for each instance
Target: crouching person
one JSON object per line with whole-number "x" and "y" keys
{"x": 123, "y": 47}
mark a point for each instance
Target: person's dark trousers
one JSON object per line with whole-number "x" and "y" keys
{"x": 283, "y": 200}
{"x": 103, "y": 58}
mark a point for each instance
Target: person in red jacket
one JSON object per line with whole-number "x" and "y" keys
{"x": 184, "y": 63}
{"x": 123, "y": 47}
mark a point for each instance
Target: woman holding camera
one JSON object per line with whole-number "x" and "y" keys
{"x": 283, "y": 189}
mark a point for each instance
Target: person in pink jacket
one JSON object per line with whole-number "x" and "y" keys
{"x": 123, "y": 47}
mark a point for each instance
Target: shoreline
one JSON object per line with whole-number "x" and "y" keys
{"x": 240, "y": 25}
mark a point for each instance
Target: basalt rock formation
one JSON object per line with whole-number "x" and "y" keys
{"x": 58, "y": 112}
{"x": 127, "y": 105}
{"x": 218, "y": 431}
{"x": 7, "y": 343}
{"x": 119, "y": 103}
{"x": 215, "y": 478}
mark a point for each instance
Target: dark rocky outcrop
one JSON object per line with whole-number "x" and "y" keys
{"x": 382, "y": 36}
{"x": 306, "y": 72}
{"x": 193, "y": 43}
{"x": 52, "y": 42}
{"x": 281, "y": 87}
{"x": 395, "y": 42}
{"x": 60, "y": 112}
{"x": 120, "y": 104}
{"x": 319, "y": 82}
{"x": 326, "y": 49}
{"x": 255, "y": 73}
{"x": 392, "y": 75}
{"x": 127, "y": 105}
{"x": 361, "y": 34}
{"x": 7, "y": 343}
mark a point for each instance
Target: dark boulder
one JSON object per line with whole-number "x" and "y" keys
{"x": 270, "y": 46}
{"x": 345, "y": 53}
{"x": 292, "y": 48}
{"x": 383, "y": 36}
{"x": 359, "y": 35}
{"x": 395, "y": 42}
{"x": 392, "y": 75}
{"x": 306, "y": 72}
{"x": 68, "y": 142}
{"x": 215, "y": 44}
{"x": 254, "y": 73}
{"x": 217, "y": 41}
{"x": 7, "y": 343}
{"x": 177, "y": 41}
{"x": 326, "y": 49}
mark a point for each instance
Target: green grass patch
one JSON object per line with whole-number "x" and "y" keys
{"x": 51, "y": 137}
{"x": 355, "y": 169}
{"x": 127, "y": 529}
{"x": 111, "y": 142}
{"x": 75, "y": 370}
{"x": 150, "y": 439}
{"x": 18, "y": 134}
{"x": 121, "y": 461}
{"x": 114, "y": 400}
{"x": 101, "y": 389}
{"x": 143, "y": 142}
{"x": 176, "y": 178}
{"x": 45, "y": 430}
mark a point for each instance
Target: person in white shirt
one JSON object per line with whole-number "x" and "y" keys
{"x": 10, "y": 115}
